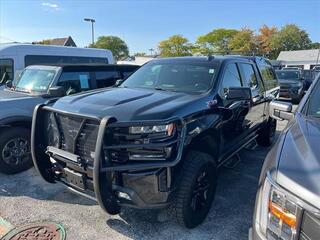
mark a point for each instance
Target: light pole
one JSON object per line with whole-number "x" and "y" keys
{"x": 151, "y": 51}
{"x": 92, "y": 30}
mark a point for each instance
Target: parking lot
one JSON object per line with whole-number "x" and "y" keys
{"x": 26, "y": 198}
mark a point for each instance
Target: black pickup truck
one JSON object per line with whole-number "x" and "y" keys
{"x": 159, "y": 138}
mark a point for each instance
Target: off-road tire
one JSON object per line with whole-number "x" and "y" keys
{"x": 5, "y": 136}
{"x": 267, "y": 134}
{"x": 194, "y": 164}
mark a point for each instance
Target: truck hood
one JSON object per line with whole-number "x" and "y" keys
{"x": 129, "y": 104}
{"x": 288, "y": 81}
{"x": 13, "y": 104}
{"x": 8, "y": 95}
{"x": 299, "y": 164}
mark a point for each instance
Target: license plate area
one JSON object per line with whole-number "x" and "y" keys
{"x": 75, "y": 179}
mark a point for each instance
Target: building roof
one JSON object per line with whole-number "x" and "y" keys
{"x": 299, "y": 56}
{"x": 66, "y": 41}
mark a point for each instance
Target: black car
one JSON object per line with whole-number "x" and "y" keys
{"x": 38, "y": 84}
{"x": 159, "y": 139}
{"x": 288, "y": 198}
{"x": 291, "y": 84}
{"x": 308, "y": 77}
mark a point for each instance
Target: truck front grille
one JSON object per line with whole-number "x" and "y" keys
{"x": 78, "y": 135}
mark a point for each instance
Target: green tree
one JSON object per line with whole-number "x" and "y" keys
{"x": 116, "y": 45}
{"x": 215, "y": 41}
{"x": 140, "y": 54}
{"x": 175, "y": 46}
{"x": 290, "y": 38}
{"x": 264, "y": 39}
{"x": 315, "y": 45}
{"x": 244, "y": 42}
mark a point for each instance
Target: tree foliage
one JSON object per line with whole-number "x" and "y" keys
{"x": 215, "y": 41}
{"x": 290, "y": 38}
{"x": 116, "y": 45}
{"x": 175, "y": 46}
{"x": 140, "y": 54}
{"x": 244, "y": 41}
{"x": 264, "y": 39}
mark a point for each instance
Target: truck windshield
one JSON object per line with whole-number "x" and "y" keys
{"x": 173, "y": 76}
{"x": 288, "y": 74}
{"x": 35, "y": 80}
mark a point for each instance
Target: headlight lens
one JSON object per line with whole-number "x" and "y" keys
{"x": 167, "y": 129}
{"x": 279, "y": 216}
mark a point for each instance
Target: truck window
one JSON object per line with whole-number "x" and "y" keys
{"x": 106, "y": 78}
{"x": 74, "y": 82}
{"x": 249, "y": 75}
{"x": 231, "y": 77}
{"x": 6, "y": 66}
{"x": 47, "y": 60}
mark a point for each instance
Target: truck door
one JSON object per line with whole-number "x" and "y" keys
{"x": 250, "y": 79}
{"x": 233, "y": 120}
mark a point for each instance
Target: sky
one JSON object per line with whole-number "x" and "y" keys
{"x": 143, "y": 24}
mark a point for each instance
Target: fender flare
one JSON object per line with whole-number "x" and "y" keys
{"x": 9, "y": 120}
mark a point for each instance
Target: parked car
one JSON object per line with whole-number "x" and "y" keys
{"x": 15, "y": 57}
{"x": 38, "y": 84}
{"x": 159, "y": 138}
{"x": 291, "y": 85}
{"x": 288, "y": 199}
{"x": 308, "y": 77}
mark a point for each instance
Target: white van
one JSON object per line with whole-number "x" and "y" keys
{"x": 15, "y": 57}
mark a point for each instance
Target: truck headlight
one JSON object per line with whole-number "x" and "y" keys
{"x": 166, "y": 129}
{"x": 278, "y": 215}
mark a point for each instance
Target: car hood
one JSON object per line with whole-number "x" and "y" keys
{"x": 299, "y": 164}
{"x": 128, "y": 104}
{"x": 8, "y": 95}
{"x": 288, "y": 81}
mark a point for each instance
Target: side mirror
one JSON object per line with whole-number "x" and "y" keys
{"x": 281, "y": 110}
{"x": 238, "y": 93}
{"x": 9, "y": 84}
{"x": 57, "y": 91}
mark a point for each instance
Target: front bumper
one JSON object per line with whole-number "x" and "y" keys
{"x": 143, "y": 184}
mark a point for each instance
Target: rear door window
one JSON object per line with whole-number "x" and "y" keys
{"x": 106, "y": 78}
{"x": 249, "y": 75}
{"x": 74, "y": 82}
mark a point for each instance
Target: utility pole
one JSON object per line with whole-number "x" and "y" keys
{"x": 151, "y": 51}
{"x": 92, "y": 29}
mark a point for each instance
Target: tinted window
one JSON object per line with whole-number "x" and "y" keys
{"x": 173, "y": 76}
{"x": 314, "y": 102}
{"x": 74, "y": 82}
{"x": 231, "y": 77}
{"x": 266, "y": 70}
{"x": 249, "y": 75}
{"x": 6, "y": 65}
{"x": 43, "y": 60}
{"x": 288, "y": 74}
{"x": 106, "y": 78}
